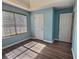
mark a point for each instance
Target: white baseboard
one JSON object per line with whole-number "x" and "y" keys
{"x": 48, "y": 41}
{"x": 44, "y": 40}
{"x": 56, "y": 39}
{"x": 73, "y": 53}
{"x": 15, "y": 43}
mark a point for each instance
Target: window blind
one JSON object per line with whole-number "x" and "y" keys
{"x": 13, "y": 23}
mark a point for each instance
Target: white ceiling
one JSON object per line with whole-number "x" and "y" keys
{"x": 39, "y": 4}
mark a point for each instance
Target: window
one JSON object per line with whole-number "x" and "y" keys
{"x": 8, "y": 24}
{"x": 21, "y": 23}
{"x": 13, "y": 23}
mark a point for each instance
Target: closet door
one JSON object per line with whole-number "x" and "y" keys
{"x": 38, "y": 23}
{"x": 65, "y": 27}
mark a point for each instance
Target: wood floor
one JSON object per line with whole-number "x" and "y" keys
{"x": 41, "y": 50}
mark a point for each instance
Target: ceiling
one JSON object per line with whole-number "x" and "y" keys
{"x": 32, "y": 5}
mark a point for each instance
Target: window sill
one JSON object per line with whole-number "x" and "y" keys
{"x": 10, "y": 36}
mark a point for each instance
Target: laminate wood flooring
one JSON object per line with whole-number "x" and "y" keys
{"x": 37, "y": 49}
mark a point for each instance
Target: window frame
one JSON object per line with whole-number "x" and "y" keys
{"x": 8, "y": 36}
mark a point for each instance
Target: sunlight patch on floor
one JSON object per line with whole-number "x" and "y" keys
{"x": 23, "y": 52}
{"x": 30, "y": 44}
{"x": 15, "y": 52}
{"x": 27, "y": 55}
{"x": 38, "y": 47}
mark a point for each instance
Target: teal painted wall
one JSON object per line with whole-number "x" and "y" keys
{"x": 51, "y": 23}
{"x": 56, "y": 20}
{"x": 74, "y": 34}
{"x": 17, "y": 38}
{"x": 48, "y": 22}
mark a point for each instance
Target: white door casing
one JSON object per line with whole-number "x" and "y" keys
{"x": 65, "y": 27}
{"x": 38, "y": 23}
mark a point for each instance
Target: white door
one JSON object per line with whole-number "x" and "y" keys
{"x": 38, "y": 21}
{"x": 65, "y": 27}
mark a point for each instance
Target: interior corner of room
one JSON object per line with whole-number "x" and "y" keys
{"x": 52, "y": 23}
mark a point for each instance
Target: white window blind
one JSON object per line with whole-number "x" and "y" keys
{"x": 8, "y": 23}
{"x": 21, "y": 23}
{"x": 13, "y": 23}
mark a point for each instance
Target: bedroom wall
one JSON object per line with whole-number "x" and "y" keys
{"x": 74, "y": 34}
{"x": 48, "y": 23}
{"x": 16, "y": 38}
